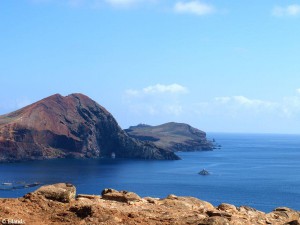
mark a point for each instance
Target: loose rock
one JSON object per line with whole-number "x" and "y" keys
{"x": 120, "y": 196}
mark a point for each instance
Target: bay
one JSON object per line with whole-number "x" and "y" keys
{"x": 257, "y": 170}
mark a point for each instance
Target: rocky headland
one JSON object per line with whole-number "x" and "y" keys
{"x": 173, "y": 136}
{"x": 59, "y": 204}
{"x": 71, "y": 126}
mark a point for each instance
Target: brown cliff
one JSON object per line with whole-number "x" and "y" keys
{"x": 57, "y": 204}
{"x": 71, "y": 126}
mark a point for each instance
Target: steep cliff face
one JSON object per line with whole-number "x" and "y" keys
{"x": 71, "y": 126}
{"x": 172, "y": 136}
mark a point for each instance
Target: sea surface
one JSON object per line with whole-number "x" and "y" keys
{"x": 257, "y": 170}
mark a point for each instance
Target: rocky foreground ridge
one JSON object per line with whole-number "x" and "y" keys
{"x": 173, "y": 136}
{"x": 71, "y": 126}
{"x": 58, "y": 204}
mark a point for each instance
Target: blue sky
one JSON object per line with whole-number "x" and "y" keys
{"x": 223, "y": 66}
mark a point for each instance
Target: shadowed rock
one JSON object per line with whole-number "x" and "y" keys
{"x": 82, "y": 211}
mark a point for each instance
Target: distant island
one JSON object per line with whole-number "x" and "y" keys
{"x": 71, "y": 126}
{"x": 173, "y": 137}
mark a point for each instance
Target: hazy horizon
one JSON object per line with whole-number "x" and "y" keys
{"x": 218, "y": 66}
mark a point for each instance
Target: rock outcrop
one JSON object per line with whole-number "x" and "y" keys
{"x": 37, "y": 208}
{"x": 120, "y": 196}
{"x": 71, "y": 126}
{"x": 58, "y": 192}
{"x": 173, "y": 136}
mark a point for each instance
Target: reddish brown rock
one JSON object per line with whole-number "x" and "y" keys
{"x": 58, "y": 192}
{"x": 120, "y": 196}
{"x": 284, "y": 213}
{"x": 227, "y": 208}
{"x": 35, "y": 209}
{"x": 71, "y": 126}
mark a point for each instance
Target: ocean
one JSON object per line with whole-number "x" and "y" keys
{"x": 257, "y": 170}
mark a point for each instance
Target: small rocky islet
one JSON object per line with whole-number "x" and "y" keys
{"x": 59, "y": 204}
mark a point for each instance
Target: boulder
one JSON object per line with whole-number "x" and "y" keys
{"x": 151, "y": 200}
{"x": 284, "y": 214}
{"x": 217, "y": 213}
{"x": 283, "y": 209}
{"x": 120, "y": 196}
{"x": 227, "y": 208}
{"x": 61, "y": 192}
{"x": 186, "y": 203}
{"x": 84, "y": 196}
{"x": 172, "y": 197}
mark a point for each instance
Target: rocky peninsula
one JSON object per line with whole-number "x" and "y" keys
{"x": 59, "y": 204}
{"x": 70, "y": 126}
{"x": 173, "y": 136}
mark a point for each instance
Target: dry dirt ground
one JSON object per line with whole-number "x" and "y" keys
{"x": 59, "y": 204}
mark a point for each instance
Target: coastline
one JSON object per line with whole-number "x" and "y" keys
{"x": 59, "y": 204}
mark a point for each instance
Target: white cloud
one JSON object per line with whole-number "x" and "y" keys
{"x": 194, "y": 7}
{"x": 244, "y": 101}
{"x": 290, "y": 106}
{"x": 173, "y": 89}
{"x": 222, "y": 100}
{"x": 290, "y": 10}
{"x": 154, "y": 103}
{"x": 251, "y": 102}
{"x": 174, "y": 109}
{"x": 156, "y": 99}
{"x": 241, "y": 106}
{"x": 160, "y": 88}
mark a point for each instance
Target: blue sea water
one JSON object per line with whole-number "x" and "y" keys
{"x": 257, "y": 170}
